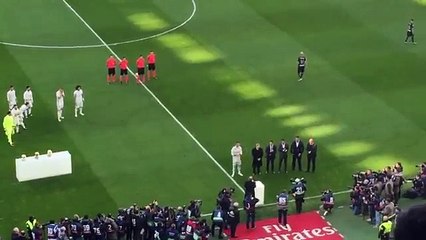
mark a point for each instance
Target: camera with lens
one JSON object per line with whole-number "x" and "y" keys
{"x": 422, "y": 165}
{"x": 297, "y": 180}
{"x": 196, "y": 202}
{"x": 325, "y": 193}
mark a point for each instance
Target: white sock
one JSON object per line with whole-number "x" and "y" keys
{"x": 239, "y": 168}
{"x": 81, "y": 110}
{"x": 23, "y": 125}
{"x": 29, "y": 111}
{"x": 76, "y": 109}
{"x": 17, "y": 128}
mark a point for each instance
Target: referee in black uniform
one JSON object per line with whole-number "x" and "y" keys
{"x": 410, "y": 32}
{"x": 301, "y": 64}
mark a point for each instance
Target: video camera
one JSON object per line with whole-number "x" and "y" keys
{"x": 297, "y": 180}
{"x": 325, "y": 193}
{"x": 422, "y": 165}
{"x": 196, "y": 202}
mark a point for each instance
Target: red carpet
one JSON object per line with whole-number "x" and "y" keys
{"x": 300, "y": 227}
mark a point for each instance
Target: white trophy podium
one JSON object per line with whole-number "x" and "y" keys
{"x": 259, "y": 193}
{"x": 31, "y": 168}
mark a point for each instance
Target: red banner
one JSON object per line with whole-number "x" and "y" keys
{"x": 303, "y": 226}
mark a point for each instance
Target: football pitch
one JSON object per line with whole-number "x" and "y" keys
{"x": 226, "y": 72}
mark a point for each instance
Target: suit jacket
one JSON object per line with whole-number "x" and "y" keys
{"x": 269, "y": 154}
{"x": 257, "y": 154}
{"x": 313, "y": 149}
{"x": 283, "y": 150}
{"x": 296, "y": 150}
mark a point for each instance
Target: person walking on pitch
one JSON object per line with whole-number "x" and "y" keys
{"x": 410, "y": 32}
{"x": 28, "y": 98}
{"x": 9, "y": 126}
{"x": 236, "y": 153}
{"x": 79, "y": 100}
{"x": 60, "y": 94}
{"x": 301, "y": 63}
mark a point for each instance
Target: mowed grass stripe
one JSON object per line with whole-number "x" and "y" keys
{"x": 276, "y": 70}
{"x": 43, "y": 198}
{"x": 168, "y": 163}
{"x": 139, "y": 182}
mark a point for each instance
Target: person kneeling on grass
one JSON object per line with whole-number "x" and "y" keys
{"x": 327, "y": 201}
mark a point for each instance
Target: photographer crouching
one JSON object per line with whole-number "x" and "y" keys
{"x": 298, "y": 191}
{"x": 327, "y": 200}
{"x": 419, "y": 184}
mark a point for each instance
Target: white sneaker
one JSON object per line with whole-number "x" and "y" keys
{"x": 240, "y": 174}
{"x": 62, "y": 117}
{"x": 300, "y": 79}
{"x": 232, "y": 175}
{"x": 82, "y": 114}
{"x": 59, "y": 120}
{"x": 75, "y": 115}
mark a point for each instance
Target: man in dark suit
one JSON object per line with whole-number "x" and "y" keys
{"x": 270, "y": 151}
{"x": 312, "y": 154}
{"x": 249, "y": 187}
{"x": 297, "y": 149}
{"x": 257, "y": 154}
{"x": 283, "y": 150}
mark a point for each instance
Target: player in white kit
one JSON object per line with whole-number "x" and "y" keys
{"x": 79, "y": 99}
{"x": 28, "y": 98}
{"x": 11, "y": 97}
{"x": 236, "y": 153}
{"x": 16, "y": 117}
{"x": 22, "y": 111}
{"x": 60, "y": 94}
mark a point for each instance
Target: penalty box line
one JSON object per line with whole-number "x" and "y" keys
{"x": 155, "y": 97}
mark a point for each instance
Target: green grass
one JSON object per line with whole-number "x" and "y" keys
{"x": 228, "y": 75}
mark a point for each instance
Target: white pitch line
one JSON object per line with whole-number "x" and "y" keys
{"x": 156, "y": 99}
{"x": 194, "y": 10}
{"x": 273, "y": 204}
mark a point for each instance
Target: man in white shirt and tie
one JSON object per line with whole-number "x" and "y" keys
{"x": 236, "y": 153}
{"x": 270, "y": 152}
{"x": 28, "y": 98}
{"x": 297, "y": 149}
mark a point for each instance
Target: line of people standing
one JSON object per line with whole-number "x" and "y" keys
{"x": 296, "y": 149}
